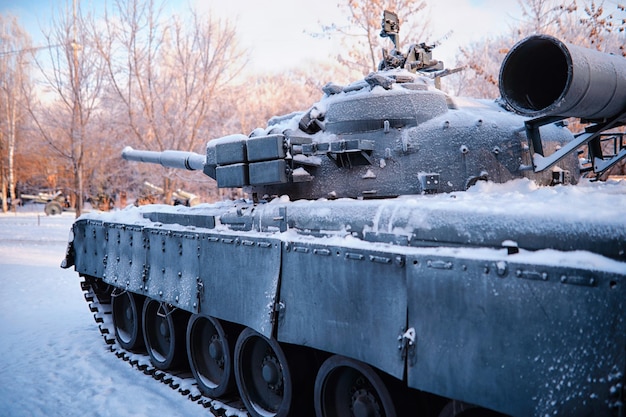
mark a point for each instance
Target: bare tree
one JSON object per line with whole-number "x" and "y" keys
{"x": 482, "y": 64}
{"x": 544, "y": 16}
{"x": 15, "y": 55}
{"x": 599, "y": 27}
{"x": 164, "y": 74}
{"x": 264, "y": 96}
{"x": 72, "y": 73}
{"x": 586, "y": 23}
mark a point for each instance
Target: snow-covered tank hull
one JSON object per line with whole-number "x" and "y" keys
{"x": 453, "y": 297}
{"x": 508, "y": 298}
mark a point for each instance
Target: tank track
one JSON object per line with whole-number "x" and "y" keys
{"x": 182, "y": 382}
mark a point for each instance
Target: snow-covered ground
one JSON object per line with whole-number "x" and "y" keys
{"x": 53, "y": 361}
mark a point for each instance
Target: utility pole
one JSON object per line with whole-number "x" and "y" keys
{"x": 76, "y": 128}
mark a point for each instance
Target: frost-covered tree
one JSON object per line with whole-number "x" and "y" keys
{"x": 481, "y": 61}
{"x": 544, "y": 16}
{"x": 588, "y": 24}
{"x": 261, "y": 97}
{"x": 164, "y": 75}
{"x": 15, "y": 60}
{"x": 72, "y": 75}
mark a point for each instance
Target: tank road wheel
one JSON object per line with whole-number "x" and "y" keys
{"x": 127, "y": 320}
{"x": 164, "y": 334}
{"x": 345, "y": 387}
{"x": 263, "y": 376}
{"x": 210, "y": 355}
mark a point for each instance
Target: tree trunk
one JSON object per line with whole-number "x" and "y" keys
{"x": 167, "y": 191}
{"x": 5, "y": 205}
{"x": 78, "y": 131}
{"x": 78, "y": 186}
{"x": 11, "y": 142}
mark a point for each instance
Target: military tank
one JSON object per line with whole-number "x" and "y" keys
{"x": 371, "y": 271}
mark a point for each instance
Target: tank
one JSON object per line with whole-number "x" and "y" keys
{"x": 400, "y": 254}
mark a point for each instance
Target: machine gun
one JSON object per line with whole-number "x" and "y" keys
{"x": 419, "y": 56}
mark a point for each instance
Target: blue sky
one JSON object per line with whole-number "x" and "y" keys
{"x": 276, "y": 31}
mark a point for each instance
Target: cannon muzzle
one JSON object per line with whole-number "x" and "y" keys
{"x": 172, "y": 159}
{"x": 542, "y": 76}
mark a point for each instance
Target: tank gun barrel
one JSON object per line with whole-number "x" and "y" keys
{"x": 542, "y": 76}
{"x": 549, "y": 80}
{"x": 171, "y": 159}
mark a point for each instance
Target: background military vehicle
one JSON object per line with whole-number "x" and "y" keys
{"x": 346, "y": 300}
{"x": 54, "y": 202}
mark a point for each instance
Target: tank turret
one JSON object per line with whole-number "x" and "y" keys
{"x": 394, "y": 133}
{"x": 391, "y": 134}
